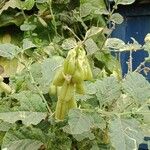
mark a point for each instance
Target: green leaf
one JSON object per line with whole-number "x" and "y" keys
{"x": 2, "y": 134}
{"x": 11, "y": 3}
{"x": 4, "y": 126}
{"x": 27, "y": 4}
{"x": 116, "y": 18}
{"x": 85, "y": 9}
{"x": 23, "y": 133}
{"x": 69, "y": 44}
{"x": 27, "y": 27}
{"x": 27, "y": 44}
{"x": 80, "y": 137}
{"x": 115, "y": 43}
{"x": 7, "y": 18}
{"x": 146, "y": 46}
{"x": 25, "y": 144}
{"x": 43, "y": 73}
{"x": 49, "y": 67}
{"x": 90, "y": 88}
{"x": 99, "y": 121}
{"x": 30, "y": 101}
{"x": 41, "y": 1}
{"x": 95, "y": 147}
{"x": 125, "y": 103}
{"x": 97, "y": 7}
{"x": 136, "y": 86}
{"x": 125, "y": 2}
{"x": 125, "y": 134}
{"x": 93, "y": 31}
{"x": 27, "y": 117}
{"x": 90, "y": 46}
{"x": 79, "y": 122}
{"x": 146, "y": 114}
{"x": 9, "y": 50}
{"x": 108, "y": 90}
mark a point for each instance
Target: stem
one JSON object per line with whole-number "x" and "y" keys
{"x": 34, "y": 83}
{"x": 130, "y": 62}
{"x": 22, "y": 10}
{"x": 109, "y": 23}
{"x": 53, "y": 17}
{"x": 66, "y": 27}
{"x": 139, "y": 67}
{"x": 39, "y": 92}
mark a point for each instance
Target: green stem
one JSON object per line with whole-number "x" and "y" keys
{"x": 34, "y": 83}
{"x": 53, "y": 17}
{"x": 66, "y": 27}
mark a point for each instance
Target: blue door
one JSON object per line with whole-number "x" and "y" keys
{"x": 136, "y": 24}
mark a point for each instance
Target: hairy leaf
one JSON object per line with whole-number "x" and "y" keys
{"x": 49, "y": 67}
{"x": 116, "y": 18}
{"x": 136, "y": 86}
{"x": 125, "y": 134}
{"x": 115, "y": 43}
{"x": 4, "y": 126}
{"x": 25, "y": 144}
{"x": 27, "y": 4}
{"x": 108, "y": 90}
{"x": 79, "y": 122}
{"x": 9, "y": 50}
{"x": 91, "y": 46}
{"x": 69, "y": 44}
{"x": 93, "y": 31}
{"x": 27, "y": 44}
{"x": 30, "y": 101}
{"x": 23, "y": 133}
{"x": 27, "y": 117}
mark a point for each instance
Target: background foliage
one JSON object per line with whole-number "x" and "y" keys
{"x": 35, "y": 37}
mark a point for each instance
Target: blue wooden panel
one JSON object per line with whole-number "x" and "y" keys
{"x": 135, "y": 25}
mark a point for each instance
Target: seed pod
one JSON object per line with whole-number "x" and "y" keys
{"x": 65, "y": 66}
{"x": 61, "y": 110}
{"x": 63, "y": 91}
{"x": 71, "y": 66}
{"x": 69, "y": 63}
{"x": 72, "y": 104}
{"x": 59, "y": 78}
{"x": 66, "y": 92}
{"x": 80, "y": 88}
{"x": 79, "y": 73}
{"x": 6, "y": 88}
{"x": 88, "y": 74}
{"x": 71, "y": 53}
{"x": 42, "y": 21}
{"x": 77, "y": 78}
{"x": 81, "y": 52}
{"x": 70, "y": 92}
{"x": 58, "y": 90}
{"x": 52, "y": 89}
